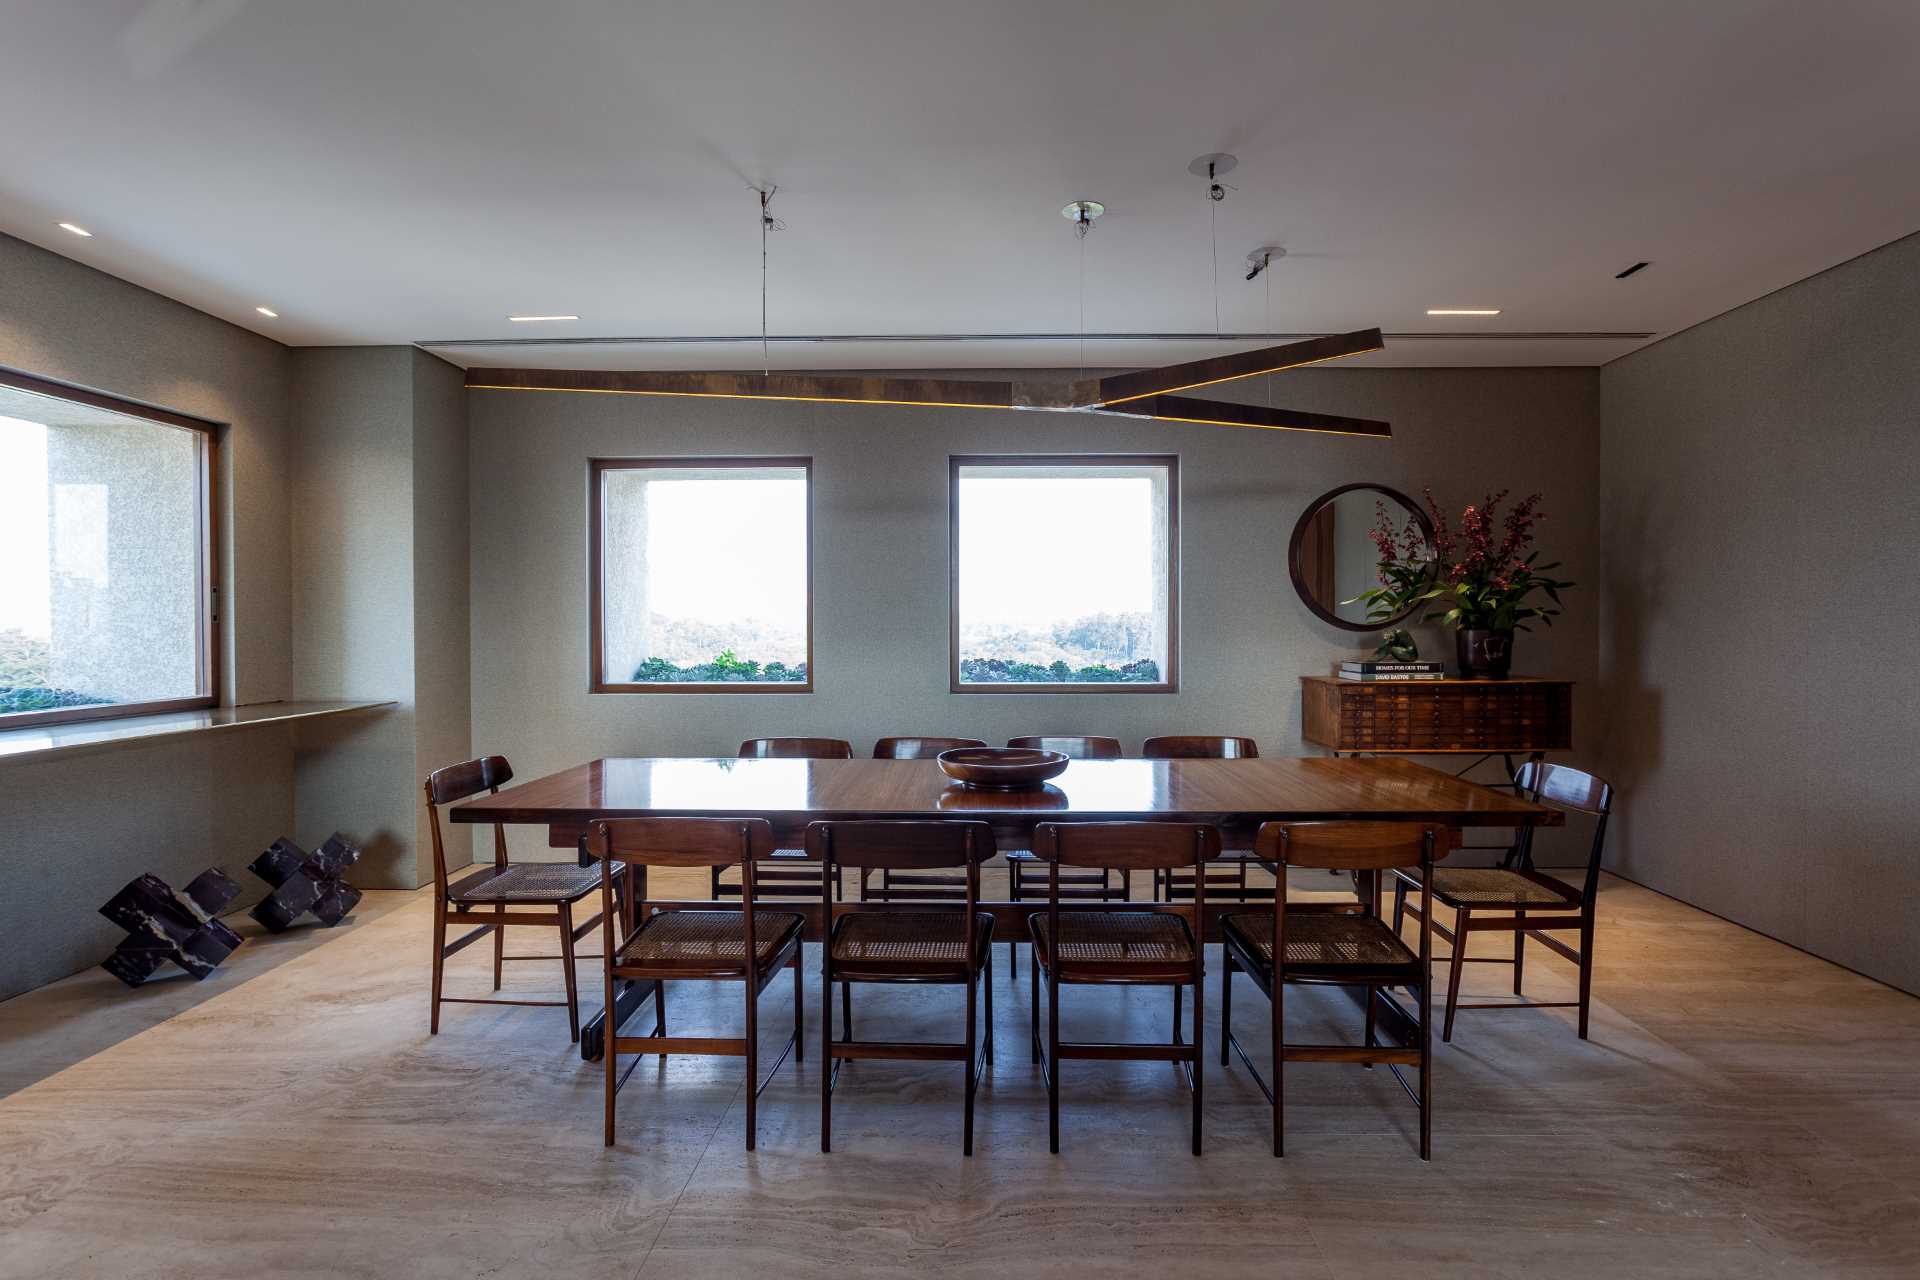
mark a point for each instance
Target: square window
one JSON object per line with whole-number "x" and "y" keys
{"x": 1065, "y": 574}
{"x": 702, "y": 575}
{"x": 106, "y": 583}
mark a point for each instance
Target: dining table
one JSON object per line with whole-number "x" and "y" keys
{"x": 1236, "y": 795}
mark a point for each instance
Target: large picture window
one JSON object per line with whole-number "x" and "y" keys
{"x": 702, "y": 573}
{"x": 1065, "y": 573}
{"x": 106, "y": 556}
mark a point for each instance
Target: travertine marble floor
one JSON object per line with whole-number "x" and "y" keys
{"x": 1741, "y": 1110}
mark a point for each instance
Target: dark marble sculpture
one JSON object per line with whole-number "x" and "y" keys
{"x": 160, "y": 926}
{"x": 305, "y": 882}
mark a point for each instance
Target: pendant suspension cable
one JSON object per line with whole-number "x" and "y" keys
{"x": 1213, "y": 219}
{"x": 1083, "y": 306}
{"x": 767, "y": 223}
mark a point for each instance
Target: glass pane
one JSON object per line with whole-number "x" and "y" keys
{"x": 1063, "y": 574}
{"x": 102, "y": 584}
{"x": 705, "y": 575}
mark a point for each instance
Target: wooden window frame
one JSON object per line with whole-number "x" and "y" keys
{"x": 207, "y": 570}
{"x": 956, "y": 462}
{"x": 596, "y": 575}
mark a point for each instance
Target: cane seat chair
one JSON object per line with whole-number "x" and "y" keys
{"x": 1343, "y": 946}
{"x": 501, "y": 896}
{"x": 942, "y": 945}
{"x": 1087, "y": 945}
{"x": 1520, "y": 900}
{"x": 924, "y": 886}
{"x": 748, "y": 945}
{"x": 1227, "y": 876}
{"x": 1024, "y": 877}
{"x": 786, "y": 874}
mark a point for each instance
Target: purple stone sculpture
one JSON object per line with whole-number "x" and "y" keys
{"x": 304, "y": 882}
{"x": 160, "y": 926}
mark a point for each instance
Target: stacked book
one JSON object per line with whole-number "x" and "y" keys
{"x": 1367, "y": 669}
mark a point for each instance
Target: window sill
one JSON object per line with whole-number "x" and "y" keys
{"x": 80, "y": 736}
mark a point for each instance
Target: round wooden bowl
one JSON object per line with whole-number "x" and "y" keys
{"x": 1001, "y": 768}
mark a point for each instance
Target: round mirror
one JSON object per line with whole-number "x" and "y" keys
{"x": 1335, "y": 554}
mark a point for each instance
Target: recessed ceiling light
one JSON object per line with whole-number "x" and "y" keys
{"x": 79, "y": 231}
{"x": 538, "y": 319}
{"x": 1463, "y": 311}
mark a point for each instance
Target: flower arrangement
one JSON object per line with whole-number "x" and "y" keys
{"x": 1484, "y": 573}
{"x": 1487, "y": 567}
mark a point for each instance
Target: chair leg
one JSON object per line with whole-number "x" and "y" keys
{"x": 1176, "y": 1013}
{"x": 499, "y": 944}
{"x": 609, "y": 1033}
{"x": 439, "y": 963}
{"x": 1456, "y": 970}
{"x": 1033, "y": 1004}
{"x": 973, "y": 997}
{"x": 1226, "y": 1002}
{"x": 566, "y": 963}
{"x": 1372, "y": 1034}
{"x": 989, "y": 981}
{"x": 1586, "y": 970}
{"x": 1278, "y": 1032}
{"x": 1199, "y": 1056}
{"x": 846, "y": 1011}
{"x": 1399, "y": 904}
{"x": 799, "y": 1010}
{"x": 659, "y": 1008}
{"x": 1519, "y": 947}
{"x": 826, "y": 1049}
{"x": 753, "y": 1055}
{"x": 1426, "y": 1068}
{"x": 1053, "y": 1062}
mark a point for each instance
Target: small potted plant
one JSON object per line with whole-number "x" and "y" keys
{"x": 1481, "y": 573}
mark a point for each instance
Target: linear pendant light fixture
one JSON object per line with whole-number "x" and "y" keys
{"x": 1144, "y": 394}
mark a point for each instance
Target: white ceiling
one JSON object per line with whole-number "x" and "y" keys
{"x": 393, "y": 172}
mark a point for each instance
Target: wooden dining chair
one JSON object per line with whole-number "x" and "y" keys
{"x": 1527, "y": 902}
{"x": 946, "y": 946}
{"x": 925, "y": 886}
{"x": 1348, "y": 947}
{"x": 786, "y": 873}
{"x": 1128, "y": 948}
{"x": 749, "y": 945}
{"x": 1227, "y": 877}
{"x": 1105, "y": 884}
{"x": 501, "y": 896}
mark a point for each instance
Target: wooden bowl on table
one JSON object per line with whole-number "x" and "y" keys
{"x": 1001, "y": 768}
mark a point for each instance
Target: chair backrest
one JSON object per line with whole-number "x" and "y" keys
{"x": 678, "y": 842}
{"x": 468, "y": 778}
{"x": 459, "y": 782}
{"x": 898, "y": 845}
{"x": 1560, "y": 786}
{"x": 1073, "y": 746}
{"x": 1348, "y": 846}
{"x": 1199, "y": 747}
{"x": 1564, "y": 787}
{"x": 796, "y": 749}
{"x": 681, "y": 842}
{"x": 919, "y": 748}
{"x": 1129, "y": 846}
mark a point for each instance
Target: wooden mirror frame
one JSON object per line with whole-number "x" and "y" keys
{"x": 1294, "y": 544}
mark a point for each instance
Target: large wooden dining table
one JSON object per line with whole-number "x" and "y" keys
{"x": 1238, "y": 795}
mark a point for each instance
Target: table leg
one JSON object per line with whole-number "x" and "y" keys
{"x": 633, "y": 993}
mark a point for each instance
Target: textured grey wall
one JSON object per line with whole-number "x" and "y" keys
{"x": 73, "y": 830}
{"x": 443, "y": 712}
{"x": 880, "y": 555}
{"x": 380, "y": 595}
{"x": 1761, "y": 472}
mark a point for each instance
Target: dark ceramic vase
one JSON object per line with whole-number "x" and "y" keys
{"x": 1483, "y": 654}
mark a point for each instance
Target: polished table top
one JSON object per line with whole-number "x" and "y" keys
{"x": 795, "y": 791}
